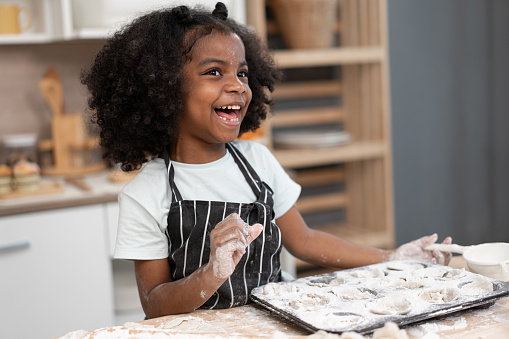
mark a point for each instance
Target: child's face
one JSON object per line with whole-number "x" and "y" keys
{"x": 216, "y": 92}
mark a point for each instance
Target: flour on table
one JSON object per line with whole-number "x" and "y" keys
{"x": 478, "y": 285}
{"x": 310, "y": 302}
{"x": 441, "y": 295}
{"x": 189, "y": 324}
{"x": 79, "y": 334}
{"x": 392, "y": 305}
{"x": 349, "y": 292}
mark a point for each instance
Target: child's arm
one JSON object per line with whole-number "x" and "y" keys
{"x": 325, "y": 249}
{"x": 160, "y": 295}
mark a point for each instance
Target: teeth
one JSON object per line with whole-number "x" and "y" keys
{"x": 230, "y": 107}
{"x": 233, "y": 120}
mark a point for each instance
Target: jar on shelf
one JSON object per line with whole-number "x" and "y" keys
{"x": 19, "y": 147}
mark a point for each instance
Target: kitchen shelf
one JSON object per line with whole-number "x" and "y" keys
{"x": 327, "y": 57}
{"x": 353, "y": 97}
{"x": 306, "y": 117}
{"x": 307, "y": 89}
{"x": 314, "y": 156}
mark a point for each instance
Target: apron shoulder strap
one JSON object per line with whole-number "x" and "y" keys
{"x": 249, "y": 173}
{"x": 175, "y": 193}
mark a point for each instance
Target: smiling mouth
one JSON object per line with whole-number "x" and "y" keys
{"x": 230, "y": 113}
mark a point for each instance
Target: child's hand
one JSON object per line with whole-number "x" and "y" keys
{"x": 415, "y": 250}
{"x": 228, "y": 242}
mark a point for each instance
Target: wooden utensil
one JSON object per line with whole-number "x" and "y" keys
{"x": 69, "y": 139}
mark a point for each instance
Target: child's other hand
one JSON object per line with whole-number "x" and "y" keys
{"x": 415, "y": 250}
{"x": 228, "y": 242}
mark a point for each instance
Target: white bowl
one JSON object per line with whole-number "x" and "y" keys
{"x": 490, "y": 259}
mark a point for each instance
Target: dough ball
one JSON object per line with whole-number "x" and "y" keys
{"x": 351, "y": 293}
{"x": 375, "y": 272}
{"x": 401, "y": 283}
{"x": 404, "y": 266}
{"x": 390, "y": 331}
{"x": 279, "y": 289}
{"x": 391, "y": 305}
{"x": 342, "y": 320}
{"x": 480, "y": 285}
{"x": 440, "y": 295}
{"x": 310, "y": 302}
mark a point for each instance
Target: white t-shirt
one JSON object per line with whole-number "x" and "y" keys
{"x": 145, "y": 201}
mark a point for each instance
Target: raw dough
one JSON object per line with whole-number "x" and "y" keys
{"x": 402, "y": 282}
{"x": 337, "y": 281}
{"x": 440, "y": 295}
{"x": 390, "y": 331}
{"x": 479, "y": 285}
{"x": 334, "y": 321}
{"x": 453, "y": 274}
{"x": 310, "y": 302}
{"x": 278, "y": 289}
{"x": 404, "y": 266}
{"x": 351, "y": 293}
{"x": 326, "y": 282}
{"x": 368, "y": 273}
{"x": 391, "y": 305}
{"x": 441, "y": 273}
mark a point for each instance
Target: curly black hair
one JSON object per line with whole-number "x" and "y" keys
{"x": 135, "y": 81}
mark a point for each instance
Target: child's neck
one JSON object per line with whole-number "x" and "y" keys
{"x": 196, "y": 154}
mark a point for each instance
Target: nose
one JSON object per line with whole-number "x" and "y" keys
{"x": 235, "y": 84}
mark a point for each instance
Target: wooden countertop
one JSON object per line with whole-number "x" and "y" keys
{"x": 252, "y": 321}
{"x": 101, "y": 190}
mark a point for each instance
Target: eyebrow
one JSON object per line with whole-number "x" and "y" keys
{"x": 208, "y": 61}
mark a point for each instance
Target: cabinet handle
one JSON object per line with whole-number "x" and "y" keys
{"x": 14, "y": 246}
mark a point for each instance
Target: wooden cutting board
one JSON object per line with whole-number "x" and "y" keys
{"x": 69, "y": 138}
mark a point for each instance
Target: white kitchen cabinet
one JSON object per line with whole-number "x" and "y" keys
{"x": 127, "y": 302}
{"x": 56, "y": 272}
{"x": 60, "y": 20}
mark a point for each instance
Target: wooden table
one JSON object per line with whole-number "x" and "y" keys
{"x": 252, "y": 321}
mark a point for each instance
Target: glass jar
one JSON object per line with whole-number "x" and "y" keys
{"x": 17, "y": 147}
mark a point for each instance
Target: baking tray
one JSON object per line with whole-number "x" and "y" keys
{"x": 346, "y": 300}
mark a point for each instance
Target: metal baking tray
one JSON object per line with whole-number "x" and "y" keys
{"x": 330, "y": 301}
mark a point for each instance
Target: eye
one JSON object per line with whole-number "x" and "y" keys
{"x": 242, "y": 74}
{"x": 214, "y": 72}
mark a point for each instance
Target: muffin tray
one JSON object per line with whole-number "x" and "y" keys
{"x": 365, "y": 298}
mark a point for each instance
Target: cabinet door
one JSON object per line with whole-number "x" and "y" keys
{"x": 56, "y": 273}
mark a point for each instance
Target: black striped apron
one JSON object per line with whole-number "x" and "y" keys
{"x": 188, "y": 231}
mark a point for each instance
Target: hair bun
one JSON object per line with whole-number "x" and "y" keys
{"x": 182, "y": 14}
{"x": 220, "y": 11}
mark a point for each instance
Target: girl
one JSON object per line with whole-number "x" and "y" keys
{"x": 174, "y": 89}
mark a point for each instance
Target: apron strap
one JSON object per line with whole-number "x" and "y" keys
{"x": 175, "y": 193}
{"x": 249, "y": 173}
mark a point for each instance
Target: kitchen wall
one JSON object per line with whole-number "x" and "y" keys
{"x": 450, "y": 98}
{"x": 22, "y": 106}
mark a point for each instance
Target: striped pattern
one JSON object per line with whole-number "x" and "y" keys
{"x": 188, "y": 232}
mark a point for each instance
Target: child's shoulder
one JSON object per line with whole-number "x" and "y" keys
{"x": 249, "y": 146}
{"x": 256, "y": 153}
{"x": 150, "y": 174}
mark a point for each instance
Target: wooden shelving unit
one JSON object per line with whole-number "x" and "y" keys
{"x": 363, "y": 166}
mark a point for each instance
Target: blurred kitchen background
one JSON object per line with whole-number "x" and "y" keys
{"x": 392, "y": 116}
